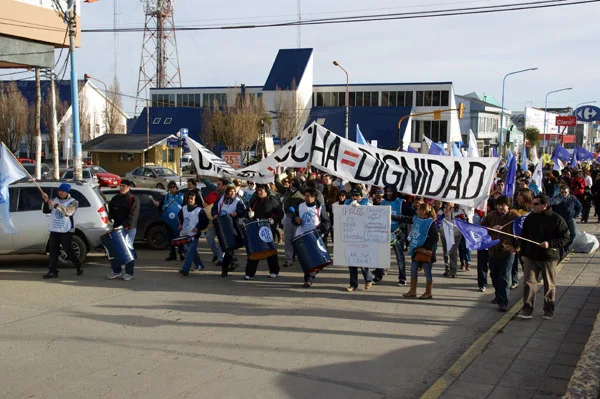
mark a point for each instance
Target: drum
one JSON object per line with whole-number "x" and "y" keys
{"x": 259, "y": 239}
{"x": 229, "y": 233}
{"x": 311, "y": 251}
{"x": 169, "y": 215}
{"x": 181, "y": 240}
{"x": 118, "y": 246}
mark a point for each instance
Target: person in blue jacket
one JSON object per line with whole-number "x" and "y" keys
{"x": 192, "y": 220}
{"x": 174, "y": 196}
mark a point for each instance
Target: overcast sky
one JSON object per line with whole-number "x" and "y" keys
{"x": 474, "y": 52}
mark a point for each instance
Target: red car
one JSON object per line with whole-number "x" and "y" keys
{"x": 25, "y": 160}
{"x": 95, "y": 174}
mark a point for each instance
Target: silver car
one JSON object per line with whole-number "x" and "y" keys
{"x": 151, "y": 176}
{"x": 91, "y": 219}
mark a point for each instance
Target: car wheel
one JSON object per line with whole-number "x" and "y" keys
{"x": 80, "y": 249}
{"x": 156, "y": 237}
{"x": 160, "y": 186}
{"x": 132, "y": 183}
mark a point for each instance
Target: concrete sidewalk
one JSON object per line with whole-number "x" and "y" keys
{"x": 534, "y": 358}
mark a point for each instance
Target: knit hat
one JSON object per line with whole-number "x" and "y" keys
{"x": 64, "y": 187}
{"x": 126, "y": 182}
{"x": 356, "y": 191}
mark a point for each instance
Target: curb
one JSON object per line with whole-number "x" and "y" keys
{"x": 444, "y": 382}
{"x": 585, "y": 382}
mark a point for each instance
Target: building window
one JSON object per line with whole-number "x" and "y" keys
{"x": 164, "y": 156}
{"x": 352, "y": 99}
{"x": 156, "y": 121}
{"x": 319, "y": 100}
{"x": 432, "y": 98}
{"x": 437, "y": 131}
{"x": 168, "y": 121}
{"x": 171, "y": 155}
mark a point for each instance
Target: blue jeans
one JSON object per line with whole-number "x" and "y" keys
{"x": 191, "y": 256}
{"x": 114, "y": 263}
{"x": 572, "y": 225}
{"x": 414, "y": 271}
{"x": 170, "y": 235}
{"x": 514, "y": 273}
{"x": 482, "y": 268}
{"x": 501, "y": 269}
{"x": 464, "y": 253}
{"x": 211, "y": 236}
{"x": 366, "y": 272}
{"x": 399, "y": 251}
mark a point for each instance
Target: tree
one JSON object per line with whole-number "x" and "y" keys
{"x": 112, "y": 115}
{"x": 214, "y": 126}
{"x": 14, "y": 116}
{"x": 290, "y": 114}
{"x": 532, "y": 134}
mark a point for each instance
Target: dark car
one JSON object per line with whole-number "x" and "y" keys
{"x": 30, "y": 168}
{"x": 150, "y": 228}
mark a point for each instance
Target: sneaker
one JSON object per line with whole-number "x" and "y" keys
{"x": 376, "y": 280}
{"x": 181, "y": 257}
{"x": 273, "y": 275}
{"x": 525, "y": 314}
{"x": 514, "y": 286}
{"x": 494, "y": 301}
{"x": 548, "y": 315}
{"x": 452, "y": 276}
{"x": 351, "y": 289}
{"x": 170, "y": 258}
{"x": 127, "y": 277}
{"x": 215, "y": 258}
{"x": 201, "y": 267}
{"x": 182, "y": 272}
{"x": 502, "y": 309}
{"x": 113, "y": 276}
{"x": 401, "y": 283}
{"x": 79, "y": 271}
{"x": 307, "y": 284}
{"x": 368, "y": 285}
{"x": 481, "y": 289}
{"x": 468, "y": 268}
{"x": 462, "y": 267}
{"x": 446, "y": 274}
{"x": 246, "y": 277}
{"x": 287, "y": 263}
{"x": 50, "y": 275}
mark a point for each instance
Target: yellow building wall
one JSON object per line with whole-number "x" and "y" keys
{"x": 120, "y": 163}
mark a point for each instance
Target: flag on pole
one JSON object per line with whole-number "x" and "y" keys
{"x": 412, "y": 150}
{"x": 524, "y": 156}
{"x": 360, "y": 139}
{"x": 448, "y": 229}
{"x": 455, "y": 151}
{"x": 518, "y": 224}
{"x": 473, "y": 151}
{"x": 538, "y": 175}
{"x": 561, "y": 153}
{"x": 10, "y": 171}
{"x": 573, "y": 160}
{"x": 583, "y": 154}
{"x": 509, "y": 155}
{"x": 534, "y": 155}
{"x": 476, "y": 237}
{"x": 511, "y": 178}
{"x": 494, "y": 152}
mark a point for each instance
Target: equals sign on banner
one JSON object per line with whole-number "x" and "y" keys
{"x": 349, "y": 161}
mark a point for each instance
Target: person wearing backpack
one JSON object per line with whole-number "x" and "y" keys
{"x": 124, "y": 210}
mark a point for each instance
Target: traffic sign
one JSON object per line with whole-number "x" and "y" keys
{"x": 173, "y": 143}
{"x": 566, "y": 121}
{"x": 184, "y": 131}
{"x": 587, "y": 113}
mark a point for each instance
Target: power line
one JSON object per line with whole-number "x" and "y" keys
{"x": 378, "y": 17}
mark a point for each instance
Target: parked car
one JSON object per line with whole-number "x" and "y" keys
{"x": 30, "y": 168}
{"x": 25, "y": 160}
{"x": 91, "y": 219}
{"x": 187, "y": 163}
{"x": 151, "y": 176}
{"x": 96, "y": 174}
{"x": 150, "y": 228}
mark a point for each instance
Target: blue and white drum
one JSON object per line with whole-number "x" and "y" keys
{"x": 259, "y": 240}
{"x": 311, "y": 251}
{"x": 169, "y": 216}
{"x": 229, "y": 233}
{"x": 118, "y": 246}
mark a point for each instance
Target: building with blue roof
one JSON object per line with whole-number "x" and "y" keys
{"x": 376, "y": 107}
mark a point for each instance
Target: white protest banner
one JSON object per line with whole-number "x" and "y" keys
{"x": 362, "y": 236}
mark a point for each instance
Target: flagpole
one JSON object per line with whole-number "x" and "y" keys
{"x": 25, "y": 170}
{"x": 517, "y": 237}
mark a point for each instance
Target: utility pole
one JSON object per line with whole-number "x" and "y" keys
{"x": 72, "y": 26}
{"x": 38, "y": 130}
{"x": 55, "y": 159}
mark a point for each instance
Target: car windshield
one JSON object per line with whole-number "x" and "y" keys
{"x": 69, "y": 174}
{"x": 163, "y": 172}
{"x": 98, "y": 169}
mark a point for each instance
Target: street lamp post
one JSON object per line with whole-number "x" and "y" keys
{"x": 546, "y": 113}
{"x": 502, "y": 110}
{"x": 347, "y": 98}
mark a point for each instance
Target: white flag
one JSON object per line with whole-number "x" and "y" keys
{"x": 10, "y": 171}
{"x": 473, "y": 150}
{"x": 534, "y": 155}
{"x": 538, "y": 175}
{"x": 448, "y": 233}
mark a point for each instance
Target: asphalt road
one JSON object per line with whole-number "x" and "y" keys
{"x": 162, "y": 335}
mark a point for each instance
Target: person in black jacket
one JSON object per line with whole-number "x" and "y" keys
{"x": 552, "y": 233}
{"x": 569, "y": 207}
{"x": 265, "y": 206}
{"x": 192, "y": 220}
{"x": 124, "y": 210}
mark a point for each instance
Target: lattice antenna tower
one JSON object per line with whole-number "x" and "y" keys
{"x": 159, "y": 66}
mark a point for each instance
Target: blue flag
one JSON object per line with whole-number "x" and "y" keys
{"x": 10, "y": 171}
{"x": 583, "y": 154}
{"x": 518, "y": 224}
{"x": 573, "y": 160}
{"x": 494, "y": 152}
{"x": 455, "y": 151}
{"x": 360, "y": 139}
{"x": 476, "y": 237}
{"x": 511, "y": 178}
{"x": 509, "y": 155}
{"x": 561, "y": 153}
{"x": 436, "y": 149}
{"x": 412, "y": 150}
{"x": 524, "y": 160}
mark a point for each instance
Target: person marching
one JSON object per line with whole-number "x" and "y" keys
{"x": 62, "y": 210}
{"x": 124, "y": 209}
{"x": 264, "y": 206}
{"x": 311, "y": 215}
{"x": 357, "y": 199}
{"x": 192, "y": 219}
{"x": 292, "y": 198}
{"x": 390, "y": 199}
{"x": 229, "y": 204}
{"x": 173, "y": 196}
